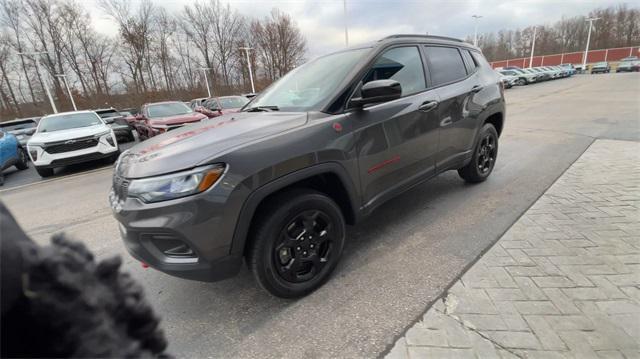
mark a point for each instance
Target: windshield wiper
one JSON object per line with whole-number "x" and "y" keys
{"x": 263, "y": 108}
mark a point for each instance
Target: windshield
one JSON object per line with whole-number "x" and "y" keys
{"x": 108, "y": 113}
{"x": 168, "y": 109}
{"x": 15, "y": 126}
{"x": 68, "y": 121}
{"x": 308, "y": 86}
{"x": 233, "y": 102}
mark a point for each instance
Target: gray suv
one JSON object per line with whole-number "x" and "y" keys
{"x": 275, "y": 184}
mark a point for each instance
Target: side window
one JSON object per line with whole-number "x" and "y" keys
{"x": 469, "y": 61}
{"x": 445, "y": 64}
{"x": 402, "y": 64}
{"x": 480, "y": 60}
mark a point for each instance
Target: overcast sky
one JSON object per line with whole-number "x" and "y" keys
{"x": 322, "y": 22}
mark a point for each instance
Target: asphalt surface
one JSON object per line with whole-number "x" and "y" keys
{"x": 395, "y": 263}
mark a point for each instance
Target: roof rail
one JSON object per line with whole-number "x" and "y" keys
{"x": 422, "y": 36}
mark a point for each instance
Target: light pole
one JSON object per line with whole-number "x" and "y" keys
{"x": 346, "y": 31}
{"x": 246, "y": 50}
{"x": 475, "y": 33}
{"x": 533, "y": 46}
{"x": 205, "y": 69}
{"x": 586, "y": 51}
{"x": 44, "y": 81}
{"x": 64, "y": 79}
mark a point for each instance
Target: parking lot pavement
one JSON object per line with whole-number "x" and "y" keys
{"x": 564, "y": 281}
{"x": 395, "y": 263}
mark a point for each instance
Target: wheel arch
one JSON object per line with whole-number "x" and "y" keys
{"x": 497, "y": 120}
{"x": 330, "y": 178}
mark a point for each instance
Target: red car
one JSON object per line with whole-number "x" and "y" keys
{"x": 217, "y": 106}
{"x": 160, "y": 117}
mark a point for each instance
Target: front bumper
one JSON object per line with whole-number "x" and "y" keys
{"x": 50, "y": 160}
{"x": 152, "y": 231}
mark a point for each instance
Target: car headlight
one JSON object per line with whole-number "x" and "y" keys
{"x": 176, "y": 185}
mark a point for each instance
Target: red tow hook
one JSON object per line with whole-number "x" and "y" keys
{"x": 144, "y": 265}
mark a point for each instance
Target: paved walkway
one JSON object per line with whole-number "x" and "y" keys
{"x": 563, "y": 282}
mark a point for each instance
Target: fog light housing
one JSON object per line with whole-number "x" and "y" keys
{"x": 34, "y": 154}
{"x": 171, "y": 246}
{"x": 110, "y": 140}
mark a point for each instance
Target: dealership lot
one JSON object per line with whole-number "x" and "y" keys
{"x": 395, "y": 263}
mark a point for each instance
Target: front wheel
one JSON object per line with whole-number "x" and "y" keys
{"x": 521, "y": 82}
{"x": 23, "y": 160}
{"x": 296, "y": 243}
{"x": 44, "y": 172}
{"x": 484, "y": 156}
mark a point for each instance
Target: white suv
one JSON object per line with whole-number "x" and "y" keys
{"x": 68, "y": 138}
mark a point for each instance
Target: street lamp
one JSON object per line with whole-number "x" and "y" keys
{"x": 586, "y": 51}
{"x": 246, "y": 50}
{"x": 44, "y": 81}
{"x": 346, "y": 31}
{"x": 475, "y": 33}
{"x": 533, "y": 46}
{"x": 64, "y": 79}
{"x": 206, "y": 80}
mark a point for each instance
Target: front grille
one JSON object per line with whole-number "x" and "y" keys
{"x": 120, "y": 187}
{"x": 71, "y": 145}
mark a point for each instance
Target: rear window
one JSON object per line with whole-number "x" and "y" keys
{"x": 168, "y": 109}
{"x": 108, "y": 113}
{"x": 445, "y": 64}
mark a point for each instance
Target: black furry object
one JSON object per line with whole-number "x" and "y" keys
{"x": 72, "y": 306}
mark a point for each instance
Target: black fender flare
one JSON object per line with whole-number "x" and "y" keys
{"x": 258, "y": 195}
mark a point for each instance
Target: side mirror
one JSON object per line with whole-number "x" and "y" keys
{"x": 378, "y": 91}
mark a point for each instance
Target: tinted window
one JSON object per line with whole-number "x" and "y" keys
{"x": 15, "y": 126}
{"x": 68, "y": 121}
{"x": 402, "y": 64}
{"x": 469, "y": 61}
{"x": 233, "y": 101}
{"x": 108, "y": 113}
{"x": 445, "y": 64}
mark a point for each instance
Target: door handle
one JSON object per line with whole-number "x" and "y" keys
{"x": 428, "y": 106}
{"x": 476, "y": 89}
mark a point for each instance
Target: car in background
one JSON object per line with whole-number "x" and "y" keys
{"x": 600, "y": 68}
{"x": 570, "y": 68}
{"x": 524, "y": 77}
{"x": 160, "y": 117}
{"x": 542, "y": 75}
{"x": 196, "y": 102}
{"x": 225, "y": 104}
{"x": 629, "y": 64}
{"x": 11, "y": 153}
{"x": 22, "y": 128}
{"x": 508, "y": 81}
{"x": 68, "y": 138}
{"x": 118, "y": 123}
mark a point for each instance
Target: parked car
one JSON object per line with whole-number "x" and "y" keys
{"x": 600, "y": 68}
{"x": 217, "y": 106}
{"x": 542, "y": 75}
{"x": 22, "y": 128}
{"x": 118, "y": 123}
{"x": 524, "y": 77}
{"x": 196, "y": 102}
{"x": 11, "y": 153}
{"x": 628, "y": 64}
{"x": 275, "y": 184}
{"x": 159, "y": 117}
{"x": 508, "y": 81}
{"x": 68, "y": 138}
{"x": 569, "y": 67}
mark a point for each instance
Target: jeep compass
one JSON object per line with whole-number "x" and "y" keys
{"x": 275, "y": 184}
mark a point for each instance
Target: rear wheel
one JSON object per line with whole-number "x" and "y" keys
{"x": 521, "y": 82}
{"x": 23, "y": 160}
{"x": 44, "y": 172}
{"x": 484, "y": 156}
{"x": 297, "y": 243}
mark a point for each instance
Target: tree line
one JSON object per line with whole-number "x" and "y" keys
{"x": 618, "y": 26}
{"x": 155, "y": 55}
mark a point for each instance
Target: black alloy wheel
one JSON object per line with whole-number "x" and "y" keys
{"x": 486, "y": 153}
{"x": 484, "y": 156}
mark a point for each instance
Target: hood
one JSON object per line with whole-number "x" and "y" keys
{"x": 178, "y": 119}
{"x": 54, "y": 136}
{"x": 202, "y": 142}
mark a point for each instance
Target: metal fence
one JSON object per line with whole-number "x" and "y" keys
{"x": 614, "y": 54}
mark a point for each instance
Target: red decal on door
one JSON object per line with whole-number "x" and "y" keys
{"x": 378, "y": 166}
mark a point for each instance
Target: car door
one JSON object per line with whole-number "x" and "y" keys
{"x": 4, "y": 153}
{"x": 396, "y": 141}
{"x": 456, "y": 86}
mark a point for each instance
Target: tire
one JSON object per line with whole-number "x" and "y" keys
{"x": 522, "y": 82}
{"x": 484, "y": 157}
{"x": 23, "y": 160}
{"x": 44, "y": 172}
{"x": 278, "y": 243}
